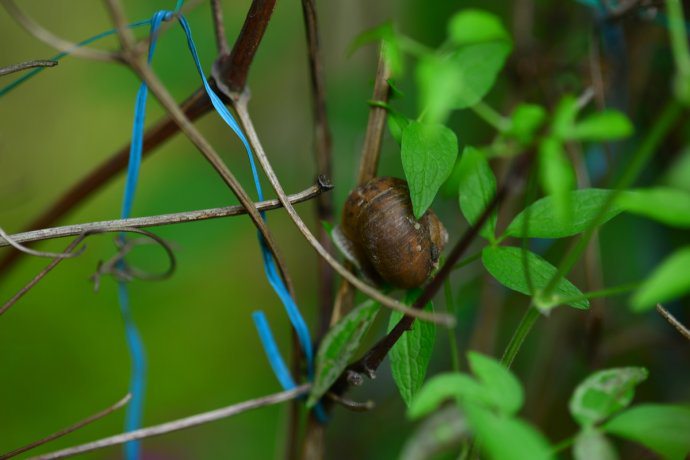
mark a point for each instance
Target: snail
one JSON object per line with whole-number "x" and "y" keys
{"x": 380, "y": 235}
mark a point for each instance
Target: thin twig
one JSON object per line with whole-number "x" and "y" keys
{"x": 180, "y": 424}
{"x": 65, "y": 431}
{"x": 26, "y": 65}
{"x": 323, "y": 155}
{"x": 163, "y": 219}
{"x": 684, "y": 331}
{"x": 246, "y": 122}
{"x": 53, "y": 40}
{"x": 219, "y": 28}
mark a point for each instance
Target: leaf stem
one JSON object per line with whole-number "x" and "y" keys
{"x": 491, "y": 116}
{"x": 519, "y": 336}
{"x": 468, "y": 260}
{"x": 679, "y": 40}
{"x": 452, "y": 339}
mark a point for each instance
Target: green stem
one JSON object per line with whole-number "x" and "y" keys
{"x": 467, "y": 260}
{"x": 452, "y": 340}
{"x": 413, "y": 47}
{"x": 563, "y": 445}
{"x": 491, "y": 116}
{"x": 608, "y": 292}
{"x": 679, "y": 41}
{"x": 519, "y": 336}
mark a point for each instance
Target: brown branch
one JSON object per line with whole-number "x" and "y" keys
{"x": 180, "y": 424}
{"x": 684, "y": 331}
{"x": 164, "y": 219}
{"x": 377, "y": 123}
{"x": 219, "y": 28}
{"x": 65, "y": 431}
{"x": 230, "y": 72}
{"x": 323, "y": 154}
{"x": 26, "y": 65}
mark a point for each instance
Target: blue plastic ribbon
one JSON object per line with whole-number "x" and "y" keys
{"x": 137, "y": 386}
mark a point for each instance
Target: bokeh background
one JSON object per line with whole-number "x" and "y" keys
{"x": 62, "y": 348}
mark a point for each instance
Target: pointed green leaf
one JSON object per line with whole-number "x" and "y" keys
{"x": 564, "y": 117}
{"x": 604, "y": 393}
{"x": 428, "y": 155}
{"x": 525, "y": 121}
{"x": 557, "y": 177}
{"x": 444, "y": 387}
{"x": 666, "y": 205}
{"x": 441, "y": 432}
{"x": 475, "y": 26}
{"x": 591, "y": 444}
{"x": 411, "y": 354}
{"x": 671, "y": 279}
{"x": 397, "y": 122}
{"x": 662, "y": 428}
{"x": 526, "y": 272}
{"x": 540, "y": 220}
{"x": 608, "y": 125}
{"x": 501, "y": 385}
{"x": 338, "y": 346}
{"x": 389, "y": 46}
{"x": 477, "y": 189}
{"x": 460, "y": 80}
{"x": 506, "y": 438}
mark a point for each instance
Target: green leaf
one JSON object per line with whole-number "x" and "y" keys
{"x": 540, "y": 220}
{"x": 389, "y": 46}
{"x": 442, "y": 431}
{"x": 608, "y": 125}
{"x": 477, "y": 189}
{"x": 671, "y": 279}
{"x": 662, "y": 428}
{"x": 666, "y": 205}
{"x": 475, "y": 26}
{"x": 502, "y": 387}
{"x": 397, "y": 122}
{"x": 557, "y": 177}
{"x": 525, "y": 121}
{"x": 526, "y": 272}
{"x": 338, "y": 346}
{"x": 428, "y": 155}
{"x": 604, "y": 393}
{"x": 444, "y": 387}
{"x": 564, "y": 117}
{"x": 506, "y": 438}
{"x": 459, "y": 80}
{"x": 591, "y": 444}
{"x": 411, "y": 354}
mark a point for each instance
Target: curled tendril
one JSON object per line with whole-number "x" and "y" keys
{"x": 116, "y": 267}
{"x": 70, "y": 252}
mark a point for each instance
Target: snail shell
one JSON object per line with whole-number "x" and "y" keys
{"x": 381, "y": 236}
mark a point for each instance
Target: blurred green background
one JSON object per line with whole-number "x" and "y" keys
{"x": 62, "y": 349}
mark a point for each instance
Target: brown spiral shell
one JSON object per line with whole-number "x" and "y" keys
{"x": 380, "y": 232}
